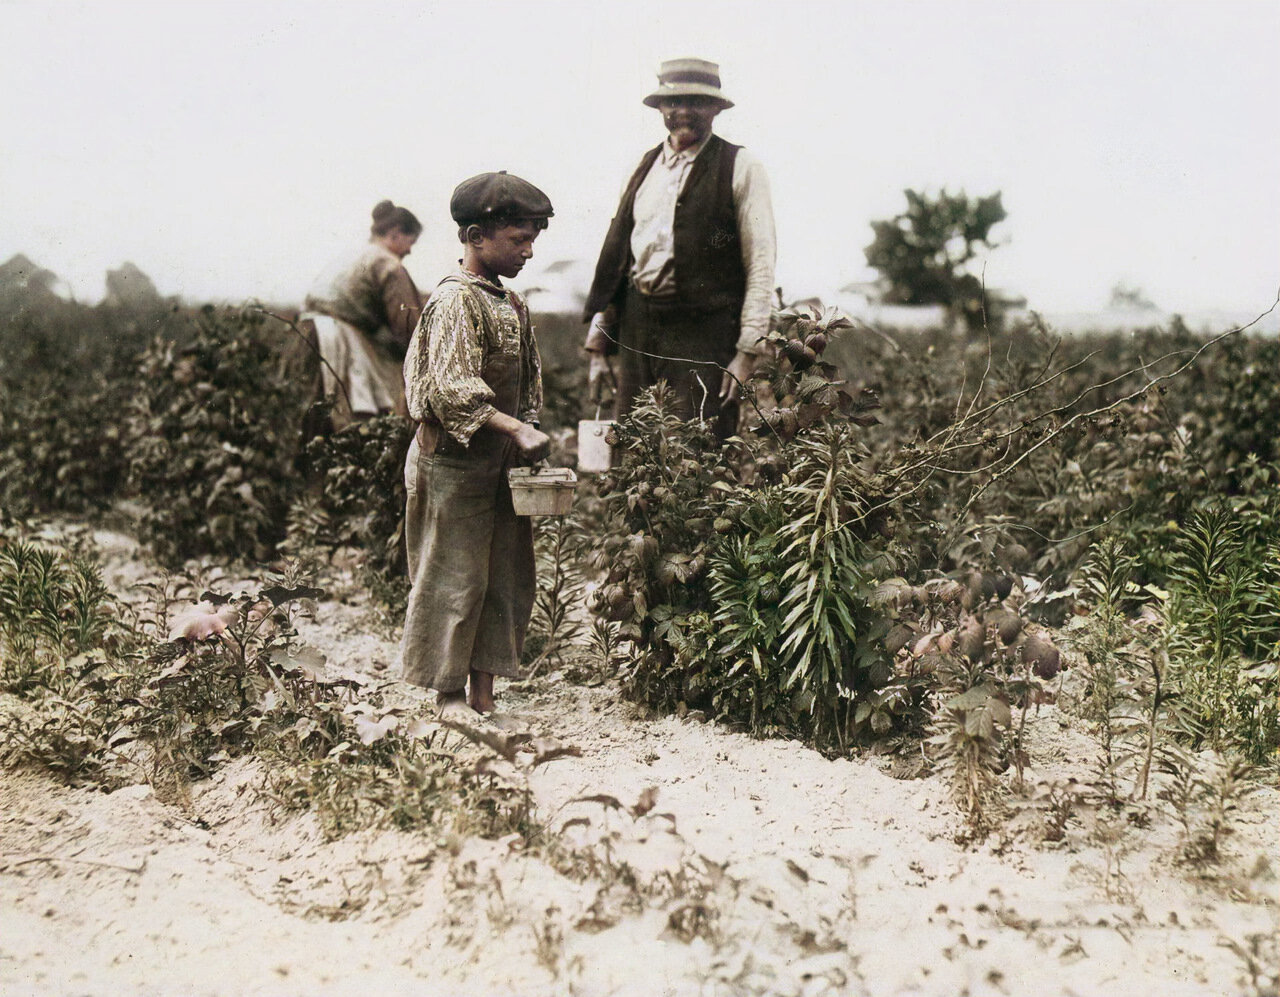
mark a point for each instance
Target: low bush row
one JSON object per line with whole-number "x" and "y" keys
{"x": 879, "y": 552}
{"x": 109, "y": 694}
{"x": 848, "y": 573}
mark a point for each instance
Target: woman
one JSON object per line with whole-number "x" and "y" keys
{"x": 363, "y": 314}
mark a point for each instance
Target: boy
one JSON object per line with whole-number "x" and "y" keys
{"x": 473, "y": 382}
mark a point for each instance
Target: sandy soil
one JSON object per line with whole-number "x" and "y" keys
{"x": 763, "y": 868}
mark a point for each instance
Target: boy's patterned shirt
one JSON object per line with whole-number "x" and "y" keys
{"x": 467, "y": 321}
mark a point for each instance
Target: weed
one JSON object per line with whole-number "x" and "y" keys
{"x": 548, "y": 937}
{"x": 604, "y": 644}
{"x": 1222, "y": 617}
{"x": 556, "y": 622}
{"x": 53, "y": 608}
{"x": 1203, "y": 793}
{"x": 1260, "y": 961}
{"x": 400, "y": 779}
{"x": 78, "y": 740}
{"x": 967, "y": 742}
{"x": 1059, "y": 801}
{"x": 1129, "y": 718}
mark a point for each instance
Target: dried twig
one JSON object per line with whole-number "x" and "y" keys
{"x": 6, "y": 864}
{"x": 1093, "y": 413}
{"x": 311, "y": 346}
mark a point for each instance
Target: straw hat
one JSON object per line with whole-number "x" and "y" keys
{"x": 688, "y": 78}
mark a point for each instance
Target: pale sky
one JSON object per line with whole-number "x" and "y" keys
{"x": 231, "y": 150}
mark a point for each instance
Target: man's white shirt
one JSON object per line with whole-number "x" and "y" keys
{"x": 652, "y": 233}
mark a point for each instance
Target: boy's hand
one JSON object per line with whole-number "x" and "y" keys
{"x": 532, "y": 442}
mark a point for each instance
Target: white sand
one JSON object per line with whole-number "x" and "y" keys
{"x": 810, "y": 876}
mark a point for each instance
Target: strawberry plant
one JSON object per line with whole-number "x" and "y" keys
{"x": 211, "y": 440}
{"x": 744, "y": 571}
{"x": 357, "y": 499}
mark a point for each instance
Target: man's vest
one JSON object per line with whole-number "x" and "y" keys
{"x": 708, "y": 256}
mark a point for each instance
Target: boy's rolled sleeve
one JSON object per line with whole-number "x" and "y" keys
{"x": 443, "y": 376}
{"x": 530, "y": 377}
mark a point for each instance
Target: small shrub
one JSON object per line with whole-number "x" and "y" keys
{"x": 357, "y": 499}
{"x": 744, "y": 572}
{"x": 53, "y": 608}
{"x": 211, "y": 440}
{"x": 61, "y": 438}
{"x": 967, "y": 744}
{"x": 1223, "y": 622}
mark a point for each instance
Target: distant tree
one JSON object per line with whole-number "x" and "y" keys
{"x": 129, "y": 286}
{"x": 923, "y": 254}
{"x": 24, "y": 284}
{"x": 1127, "y": 298}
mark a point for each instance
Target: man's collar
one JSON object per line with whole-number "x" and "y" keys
{"x": 669, "y": 155}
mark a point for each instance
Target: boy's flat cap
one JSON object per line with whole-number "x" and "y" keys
{"x": 498, "y": 195}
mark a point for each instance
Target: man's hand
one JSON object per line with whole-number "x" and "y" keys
{"x": 599, "y": 372}
{"x": 532, "y": 442}
{"x": 739, "y": 372}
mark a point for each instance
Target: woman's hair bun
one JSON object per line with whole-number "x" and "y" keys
{"x": 387, "y": 217}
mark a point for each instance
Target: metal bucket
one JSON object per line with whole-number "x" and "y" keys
{"x": 594, "y": 450}
{"x": 542, "y": 491}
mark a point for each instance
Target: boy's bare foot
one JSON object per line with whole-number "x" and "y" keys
{"x": 454, "y": 704}
{"x": 481, "y": 695}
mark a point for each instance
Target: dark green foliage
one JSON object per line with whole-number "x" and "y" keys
{"x": 924, "y": 253}
{"x": 813, "y": 618}
{"x": 357, "y": 499}
{"x": 559, "y": 545}
{"x": 1223, "y": 629}
{"x": 745, "y": 571}
{"x": 1231, "y": 409}
{"x": 1037, "y": 441}
{"x": 60, "y": 438}
{"x": 66, "y": 377}
{"x": 53, "y": 607}
{"x": 745, "y": 574}
{"x": 660, "y": 504}
{"x": 210, "y": 443}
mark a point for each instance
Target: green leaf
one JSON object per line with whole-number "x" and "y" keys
{"x": 278, "y": 595}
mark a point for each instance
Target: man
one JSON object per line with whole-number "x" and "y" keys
{"x": 684, "y": 282}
